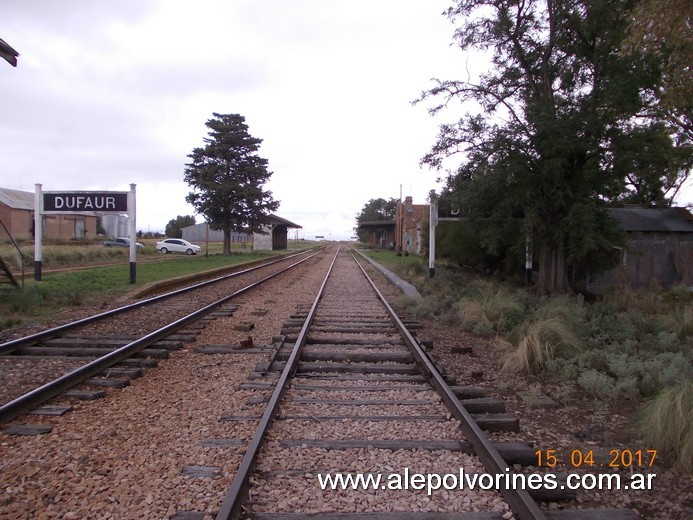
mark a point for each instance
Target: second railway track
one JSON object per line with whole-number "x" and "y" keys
{"x": 120, "y": 342}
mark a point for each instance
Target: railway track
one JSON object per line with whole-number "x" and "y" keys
{"x": 108, "y": 349}
{"x": 346, "y": 388}
{"x": 351, "y": 391}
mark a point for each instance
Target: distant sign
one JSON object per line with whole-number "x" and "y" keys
{"x": 108, "y": 201}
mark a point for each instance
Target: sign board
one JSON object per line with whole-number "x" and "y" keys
{"x": 107, "y": 201}
{"x": 82, "y": 202}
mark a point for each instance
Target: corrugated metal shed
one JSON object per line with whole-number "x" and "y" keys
{"x": 200, "y": 233}
{"x": 16, "y": 199}
{"x": 662, "y": 220}
{"x": 658, "y": 252}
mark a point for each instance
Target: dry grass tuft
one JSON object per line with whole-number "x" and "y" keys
{"x": 491, "y": 303}
{"x": 679, "y": 320}
{"x": 541, "y": 341}
{"x": 666, "y": 424}
{"x": 628, "y": 300}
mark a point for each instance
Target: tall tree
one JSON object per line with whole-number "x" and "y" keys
{"x": 175, "y": 226}
{"x": 551, "y": 140}
{"x": 663, "y": 28}
{"x": 227, "y": 177}
{"x": 375, "y": 210}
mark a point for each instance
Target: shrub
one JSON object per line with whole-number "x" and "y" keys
{"x": 540, "y": 341}
{"x": 9, "y": 323}
{"x": 679, "y": 294}
{"x": 599, "y": 385}
{"x": 25, "y": 300}
{"x": 490, "y": 302}
{"x": 568, "y": 309}
{"x": 679, "y": 320}
{"x": 485, "y": 329}
{"x": 73, "y": 297}
{"x": 666, "y": 424}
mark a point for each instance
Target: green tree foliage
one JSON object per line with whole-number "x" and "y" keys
{"x": 375, "y": 210}
{"x": 175, "y": 226}
{"x": 663, "y": 28}
{"x": 227, "y": 177}
{"x": 560, "y": 129}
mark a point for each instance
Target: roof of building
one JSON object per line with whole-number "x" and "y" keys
{"x": 8, "y": 53}
{"x": 274, "y": 219}
{"x": 16, "y": 199}
{"x": 376, "y": 224}
{"x": 667, "y": 220}
{"x": 24, "y": 200}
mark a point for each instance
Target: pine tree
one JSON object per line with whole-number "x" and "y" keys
{"x": 227, "y": 177}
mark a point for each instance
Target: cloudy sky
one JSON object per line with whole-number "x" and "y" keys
{"x": 112, "y": 93}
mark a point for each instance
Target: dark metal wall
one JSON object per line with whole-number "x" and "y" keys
{"x": 280, "y": 237}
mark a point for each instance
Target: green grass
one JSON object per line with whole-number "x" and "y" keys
{"x": 390, "y": 259}
{"x": 95, "y": 285}
{"x": 409, "y": 267}
{"x": 76, "y": 253}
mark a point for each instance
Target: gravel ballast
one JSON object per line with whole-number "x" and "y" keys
{"x": 135, "y": 454}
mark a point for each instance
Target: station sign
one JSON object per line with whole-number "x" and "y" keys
{"x": 83, "y": 202}
{"x": 107, "y": 201}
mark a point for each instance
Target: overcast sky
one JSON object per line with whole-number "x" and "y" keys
{"x": 112, "y": 93}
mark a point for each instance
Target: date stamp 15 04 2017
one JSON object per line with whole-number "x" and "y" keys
{"x": 586, "y": 459}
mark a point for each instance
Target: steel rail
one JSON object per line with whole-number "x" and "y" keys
{"x": 521, "y": 503}
{"x": 40, "y": 395}
{"x": 16, "y": 344}
{"x": 234, "y": 499}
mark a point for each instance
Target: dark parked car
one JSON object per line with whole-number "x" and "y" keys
{"x": 121, "y": 242}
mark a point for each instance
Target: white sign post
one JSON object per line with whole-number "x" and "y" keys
{"x": 433, "y": 220}
{"x": 82, "y": 201}
{"x": 133, "y": 234}
{"x": 38, "y": 231}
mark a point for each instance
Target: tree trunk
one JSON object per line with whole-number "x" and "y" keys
{"x": 227, "y": 242}
{"x": 552, "y": 272}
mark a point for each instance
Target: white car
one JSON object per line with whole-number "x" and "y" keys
{"x": 177, "y": 245}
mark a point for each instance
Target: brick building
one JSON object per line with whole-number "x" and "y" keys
{"x": 410, "y": 221}
{"x": 17, "y": 214}
{"x": 405, "y": 232}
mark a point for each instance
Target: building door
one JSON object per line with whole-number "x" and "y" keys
{"x": 79, "y": 228}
